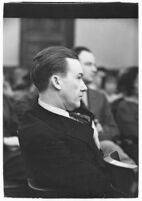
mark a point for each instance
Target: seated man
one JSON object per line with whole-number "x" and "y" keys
{"x": 62, "y": 151}
{"x": 96, "y": 101}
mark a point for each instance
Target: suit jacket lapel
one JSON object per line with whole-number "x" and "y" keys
{"x": 65, "y": 126}
{"x": 80, "y": 131}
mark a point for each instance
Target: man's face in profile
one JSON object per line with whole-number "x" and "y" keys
{"x": 72, "y": 85}
{"x": 88, "y": 63}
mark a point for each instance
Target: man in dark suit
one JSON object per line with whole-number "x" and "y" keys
{"x": 96, "y": 101}
{"x": 61, "y": 149}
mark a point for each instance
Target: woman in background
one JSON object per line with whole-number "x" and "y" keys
{"x": 127, "y": 111}
{"x": 109, "y": 87}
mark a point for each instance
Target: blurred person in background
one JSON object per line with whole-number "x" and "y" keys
{"x": 109, "y": 87}
{"x": 99, "y": 76}
{"x": 10, "y": 119}
{"x": 21, "y": 83}
{"x": 23, "y": 91}
{"x": 126, "y": 111}
{"x": 96, "y": 101}
{"x": 14, "y": 167}
{"x": 7, "y": 89}
{"x": 19, "y": 76}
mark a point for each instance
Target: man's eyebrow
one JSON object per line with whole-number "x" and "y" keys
{"x": 88, "y": 63}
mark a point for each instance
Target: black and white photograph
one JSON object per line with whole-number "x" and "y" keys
{"x": 70, "y": 99}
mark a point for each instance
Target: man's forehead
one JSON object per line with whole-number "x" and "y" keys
{"x": 74, "y": 65}
{"x": 86, "y": 56}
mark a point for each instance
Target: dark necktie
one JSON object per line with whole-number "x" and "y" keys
{"x": 84, "y": 119}
{"x": 79, "y": 117}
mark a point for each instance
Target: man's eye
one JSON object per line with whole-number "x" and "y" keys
{"x": 79, "y": 77}
{"x": 88, "y": 64}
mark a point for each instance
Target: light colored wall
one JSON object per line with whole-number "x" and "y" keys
{"x": 11, "y": 41}
{"x": 114, "y": 42}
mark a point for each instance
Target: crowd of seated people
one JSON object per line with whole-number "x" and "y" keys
{"x": 17, "y": 95}
{"x": 125, "y": 110}
{"x": 13, "y": 165}
{"x": 96, "y": 101}
{"x": 121, "y": 93}
{"x": 121, "y": 90}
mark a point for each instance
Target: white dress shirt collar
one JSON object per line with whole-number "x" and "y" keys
{"x": 53, "y": 109}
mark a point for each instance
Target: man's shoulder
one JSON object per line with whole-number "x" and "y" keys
{"x": 40, "y": 119}
{"x": 97, "y": 92}
{"x": 28, "y": 120}
{"x": 31, "y": 126}
{"x": 99, "y": 95}
{"x": 31, "y": 117}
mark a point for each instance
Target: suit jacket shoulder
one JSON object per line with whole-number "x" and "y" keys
{"x": 96, "y": 102}
{"x": 99, "y": 105}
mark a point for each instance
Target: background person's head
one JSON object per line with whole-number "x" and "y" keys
{"x": 57, "y": 74}
{"x": 99, "y": 77}
{"x": 88, "y": 63}
{"x": 21, "y": 79}
{"x": 109, "y": 83}
{"x": 128, "y": 82}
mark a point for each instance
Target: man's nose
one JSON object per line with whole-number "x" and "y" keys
{"x": 94, "y": 68}
{"x": 83, "y": 86}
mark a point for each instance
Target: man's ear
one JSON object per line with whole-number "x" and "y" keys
{"x": 55, "y": 80}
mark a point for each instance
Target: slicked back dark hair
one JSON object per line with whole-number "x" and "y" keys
{"x": 48, "y": 62}
{"x": 79, "y": 49}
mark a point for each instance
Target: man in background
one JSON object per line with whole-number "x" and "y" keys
{"x": 97, "y": 103}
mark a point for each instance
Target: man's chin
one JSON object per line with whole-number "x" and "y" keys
{"x": 75, "y": 106}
